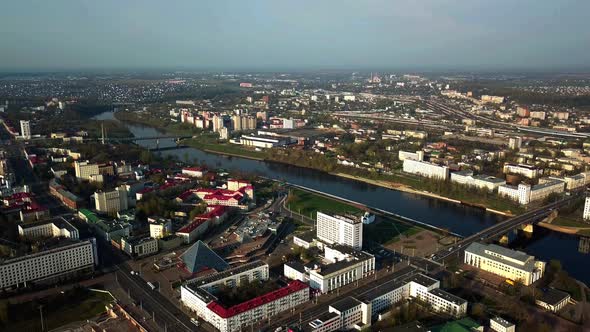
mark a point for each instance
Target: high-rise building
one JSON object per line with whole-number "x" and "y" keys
{"x": 111, "y": 202}
{"x": 586, "y": 214}
{"x": 515, "y": 143}
{"x": 84, "y": 169}
{"x": 236, "y": 121}
{"x": 217, "y": 123}
{"x": 224, "y": 133}
{"x": 25, "y": 129}
{"x": 340, "y": 230}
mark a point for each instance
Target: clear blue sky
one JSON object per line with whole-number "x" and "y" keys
{"x": 297, "y": 34}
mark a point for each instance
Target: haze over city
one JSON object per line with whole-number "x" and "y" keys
{"x": 302, "y": 35}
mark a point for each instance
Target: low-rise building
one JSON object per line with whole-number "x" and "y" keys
{"x": 510, "y": 264}
{"x": 347, "y": 266}
{"x": 553, "y": 300}
{"x": 56, "y": 227}
{"x": 528, "y": 171}
{"x": 159, "y": 227}
{"x": 66, "y": 197}
{"x": 418, "y": 155}
{"x": 138, "y": 246}
{"x": 488, "y": 182}
{"x": 196, "y": 172}
{"x": 357, "y": 312}
{"x": 198, "y": 296}
{"x": 499, "y": 324}
{"x": 264, "y": 142}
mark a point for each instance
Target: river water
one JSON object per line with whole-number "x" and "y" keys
{"x": 464, "y": 220}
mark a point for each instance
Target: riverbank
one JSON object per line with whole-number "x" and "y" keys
{"x": 255, "y": 155}
{"x": 209, "y": 143}
{"x": 408, "y": 189}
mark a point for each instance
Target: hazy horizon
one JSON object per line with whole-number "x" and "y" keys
{"x": 429, "y": 35}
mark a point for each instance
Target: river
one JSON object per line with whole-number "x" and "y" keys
{"x": 463, "y": 220}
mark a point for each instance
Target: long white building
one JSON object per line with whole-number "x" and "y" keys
{"x": 510, "y": 264}
{"x": 57, "y": 227}
{"x": 68, "y": 258}
{"x": 199, "y": 296}
{"x": 525, "y": 193}
{"x": 426, "y": 169}
{"x": 340, "y": 229}
{"x": 466, "y": 178}
{"x": 265, "y": 142}
{"x": 362, "y": 310}
{"x": 528, "y": 171}
{"x": 403, "y": 155}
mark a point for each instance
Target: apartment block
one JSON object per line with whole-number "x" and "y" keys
{"x": 340, "y": 229}
{"x": 426, "y": 169}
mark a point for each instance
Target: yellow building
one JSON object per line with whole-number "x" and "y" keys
{"x": 510, "y": 264}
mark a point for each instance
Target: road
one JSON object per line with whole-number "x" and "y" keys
{"x": 502, "y": 228}
{"x": 311, "y": 310}
{"x": 166, "y": 315}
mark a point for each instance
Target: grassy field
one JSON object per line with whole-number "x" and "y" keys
{"x": 570, "y": 222}
{"x": 383, "y": 232}
{"x": 58, "y": 310}
{"x": 388, "y": 231}
{"x": 307, "y": 203}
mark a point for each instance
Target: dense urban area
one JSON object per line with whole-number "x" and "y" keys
{"x": 186, "y": 201}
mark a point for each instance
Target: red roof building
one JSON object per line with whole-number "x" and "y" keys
{"x": 237, "y": 309}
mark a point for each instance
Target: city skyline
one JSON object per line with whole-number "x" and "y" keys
{"x": 267, "y": 35}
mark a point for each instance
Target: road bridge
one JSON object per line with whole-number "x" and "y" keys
{"x": 503, "y": 227}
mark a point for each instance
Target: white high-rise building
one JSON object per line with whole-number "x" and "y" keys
{"x": 85, "y": 170}
{"x": 25, "y": 129}
{"x": 515, "y": 143}
{"x": 586, "y": 214}
{"x": 340, "y": 229}
{"x": 111, "y": 202}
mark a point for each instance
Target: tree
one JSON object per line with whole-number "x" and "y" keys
{"x": 146, "y": 157}
{"x": 478, "y": 310}
{"x": 198, "y": 210}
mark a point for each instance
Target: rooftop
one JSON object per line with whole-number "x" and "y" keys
{"x": 502, "y": 321}
{"x": 423, "y": 280}
{"x": 553, "y": 296}
{"x": 211, "y": 278}
{"x": 224, "y": 312}
{"x": 345, "y": 304}
{"x": 199, "y": 257}
{"x": 447, "y": 296}
{"x": 514, "y": 258}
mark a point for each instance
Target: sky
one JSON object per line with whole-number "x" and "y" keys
{"x": 290, "y": 34}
